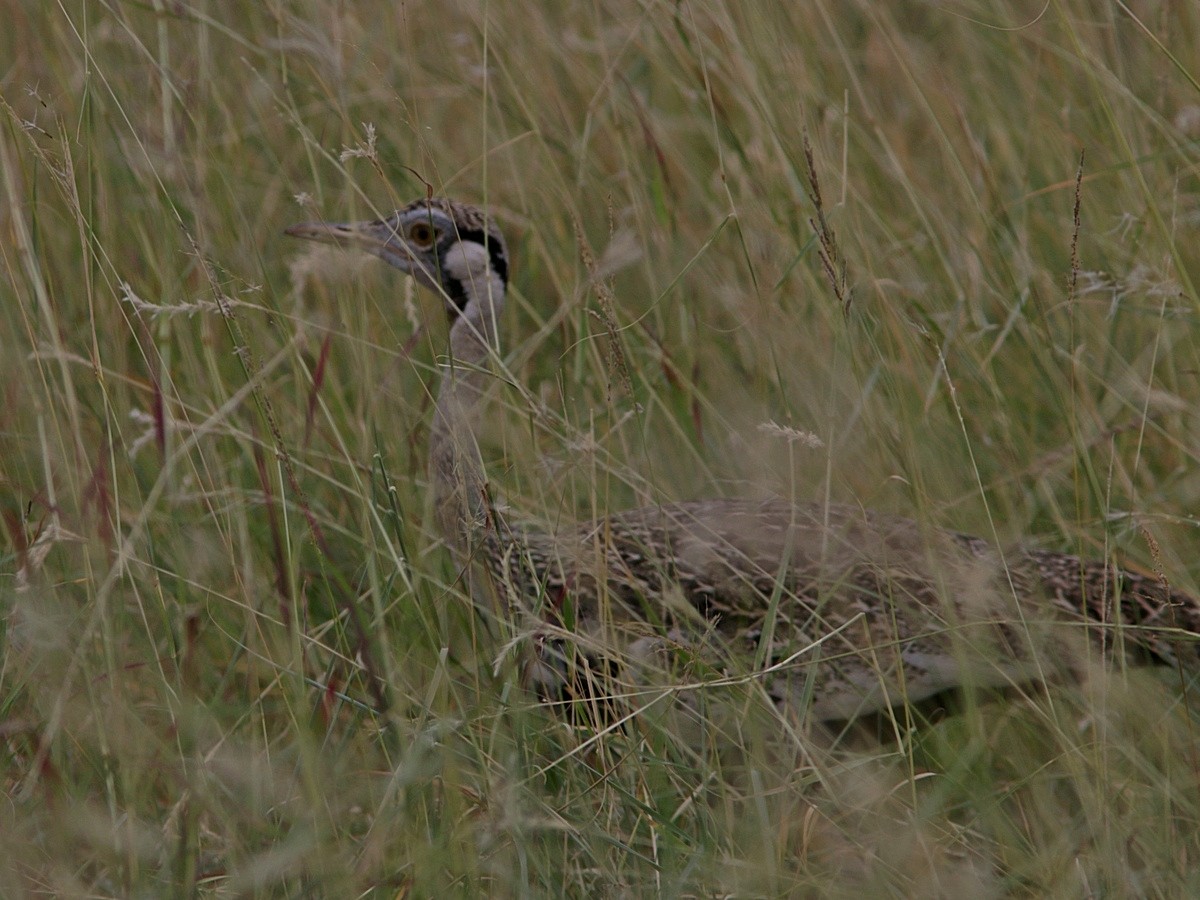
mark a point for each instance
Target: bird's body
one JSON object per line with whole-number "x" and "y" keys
{"x": 845, "y": 609}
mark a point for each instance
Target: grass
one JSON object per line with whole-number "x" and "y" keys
{"x": 234, "y": 659}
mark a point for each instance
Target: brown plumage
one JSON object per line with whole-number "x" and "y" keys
{"x": 849, "y": 610}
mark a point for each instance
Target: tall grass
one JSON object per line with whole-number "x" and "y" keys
{"x": 235, "y": 661}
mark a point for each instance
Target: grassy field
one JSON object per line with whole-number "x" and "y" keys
{"x": 234, "y": 658}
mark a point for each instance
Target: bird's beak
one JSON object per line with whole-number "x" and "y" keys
{"x": 378, "y": 238}
{"x": 364, "y": 235}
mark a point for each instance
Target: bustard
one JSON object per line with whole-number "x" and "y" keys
{"x": 849, "y": 610}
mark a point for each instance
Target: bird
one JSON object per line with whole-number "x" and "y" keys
{"x": 837, "y": 611}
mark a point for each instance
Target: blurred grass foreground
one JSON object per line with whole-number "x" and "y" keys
{"x": 234, "y": 658}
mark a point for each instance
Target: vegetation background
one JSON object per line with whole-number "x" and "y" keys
{"x": 234, "y": 661}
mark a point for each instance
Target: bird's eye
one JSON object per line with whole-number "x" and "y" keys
{"x": 422, "y": 234}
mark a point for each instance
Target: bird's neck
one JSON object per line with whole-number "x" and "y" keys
{"x": 455, "y": 468}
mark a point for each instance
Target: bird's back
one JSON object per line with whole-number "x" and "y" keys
{"x": 858, "y": 610}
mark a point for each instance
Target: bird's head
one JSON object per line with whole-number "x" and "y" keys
{"x": 449, "y": 247}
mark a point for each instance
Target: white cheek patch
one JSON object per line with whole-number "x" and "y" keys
{"x": 466, "y": 262}
{"x": 468, "y": 266}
